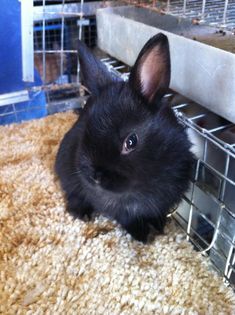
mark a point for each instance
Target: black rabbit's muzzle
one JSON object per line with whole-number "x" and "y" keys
{"x": 110, "y": 180}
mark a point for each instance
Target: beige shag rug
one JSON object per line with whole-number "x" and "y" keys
{"x": 51, "y": 264}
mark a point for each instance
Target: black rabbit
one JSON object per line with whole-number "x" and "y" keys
{"x": 127, "y": 156}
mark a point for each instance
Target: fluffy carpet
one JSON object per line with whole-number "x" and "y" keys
{"x": 52, "y": 264}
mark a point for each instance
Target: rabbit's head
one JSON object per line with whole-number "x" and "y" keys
{"x": 131, "y": 140}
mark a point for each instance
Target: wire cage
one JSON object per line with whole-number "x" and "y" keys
{"x": 220, "y": 13}
{"x": 43, "y": 59}
{"x": 55, "y": 41}
{"x": 57, "y": 27}
{"x": 207, "y": 211}
{"x": 217, "y": 13}
{"x": 51, "y": 84}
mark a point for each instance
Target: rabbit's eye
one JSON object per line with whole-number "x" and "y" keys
{"x": 130, "y": 143}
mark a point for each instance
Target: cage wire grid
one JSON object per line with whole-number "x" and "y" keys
{"x": 212, "y": 236}
{"x": 57, "y": 27}
{"x": 65, "y": 21}
{"x": 56, "y": 30}
{"x": 52, "y": 81}
{"x": 220, "y": 13}
{"x": 207, "y": 213}
{"x": 217, "y": 13}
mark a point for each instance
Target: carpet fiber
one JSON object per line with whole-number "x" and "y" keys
{"x": 52, "y": 264}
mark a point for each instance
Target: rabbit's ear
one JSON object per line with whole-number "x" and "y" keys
{"x": 150, "y": 75}
{"x": 94, "y": 74}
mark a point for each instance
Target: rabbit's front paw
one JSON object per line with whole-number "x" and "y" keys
{"x": 137, "y": 228}
{"x": 78, "y": 209}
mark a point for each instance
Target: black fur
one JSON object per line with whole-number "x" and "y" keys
{"x": 136, "y": 189}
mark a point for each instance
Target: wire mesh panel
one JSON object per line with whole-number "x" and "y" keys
{"x": 57, "y": 27}
{"x": 207, "y": 213}
{"x": 51, "y": 82}
{"x": 214, "y": 12}
{"x": 61, "y": 58}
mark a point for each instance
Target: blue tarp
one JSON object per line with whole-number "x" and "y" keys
{"x": 11, "y": 67}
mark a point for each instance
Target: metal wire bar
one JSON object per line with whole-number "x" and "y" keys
{"x": 44, "y": 42}
{"x": 203, "y": 9}
{"x": 168, "y": 6}
{"x": 225, "y": 11}
{"x": 80, "y": 37}
{"x": 15, "y": 111}
{"x": 216, "y": 232}
{"x": 62, "y": 14}
{"x": 225, "y": 177}
{"x": 228, "y": 270}
{"x": 184, "y": 7}
{"x": 81, "y": 18}
{"x": 62, "y": 43}
{"x": 55, "y": 51}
